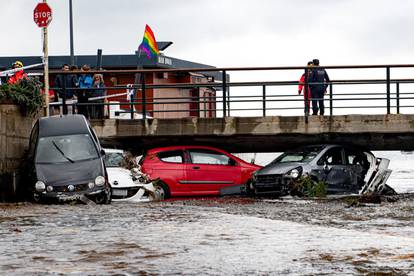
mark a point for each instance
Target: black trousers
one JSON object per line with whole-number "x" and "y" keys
{"x": 317, "y": 101}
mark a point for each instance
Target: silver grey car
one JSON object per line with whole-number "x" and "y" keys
{"x": 343, "y": 170}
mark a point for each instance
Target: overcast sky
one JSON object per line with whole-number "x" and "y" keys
{"x": 223, "y": 32}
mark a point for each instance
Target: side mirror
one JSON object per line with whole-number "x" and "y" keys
{"x": 102, "y": 152}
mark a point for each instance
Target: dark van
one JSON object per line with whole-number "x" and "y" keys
{"x": 65, "y": 160}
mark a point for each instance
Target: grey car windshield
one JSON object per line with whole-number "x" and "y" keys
{"x": 114, "y": 159}
{"x": 67, "y": 148}
{"x": 303, "y": 155}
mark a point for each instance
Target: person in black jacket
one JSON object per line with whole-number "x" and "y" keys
{"x": 318, "y": 82}
{"x": 67, "y": 81}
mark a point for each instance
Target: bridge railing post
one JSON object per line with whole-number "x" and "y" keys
{"x": 64, "y": 89}
{"x": 264, "y": 100}
{"x": 224, "y": 87}
{"x": 398, "y": 96}
{"x": 330, "y": 99}
{"x": 144, "y": 99}
{"x": 306, "y": 98}
{"x": 388, "y": 90}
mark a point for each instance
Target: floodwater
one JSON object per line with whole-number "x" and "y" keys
{"x": 210, "y": 236}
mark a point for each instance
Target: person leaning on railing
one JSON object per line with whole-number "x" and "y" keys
{"x": 99, "y": 91}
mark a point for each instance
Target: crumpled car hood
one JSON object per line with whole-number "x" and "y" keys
{"x": 122, "y": 176}
{"x": 279, "y": 168}
{"x": 59, "y": 174}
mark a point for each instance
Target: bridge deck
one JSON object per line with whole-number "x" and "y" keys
{"x": 261, "y": 134}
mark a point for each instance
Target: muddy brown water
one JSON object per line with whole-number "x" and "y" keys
{"x": 209, "y": 236}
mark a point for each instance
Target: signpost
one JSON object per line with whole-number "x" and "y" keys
{"x": 42, "y": 15}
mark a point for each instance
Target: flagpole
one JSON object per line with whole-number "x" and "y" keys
{"x": 136, "y": 82}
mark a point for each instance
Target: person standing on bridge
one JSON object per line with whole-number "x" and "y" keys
{"x": 18, "y": 75}
{"x": 85, "y": 81}
{"x": 318, "y": 79}
{"x": 303, "y": 79}
{"x": 64, "y": 87}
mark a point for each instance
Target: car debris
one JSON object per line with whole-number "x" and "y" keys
{"x": 339, "y": 169}
{"x": 127, "y": 181}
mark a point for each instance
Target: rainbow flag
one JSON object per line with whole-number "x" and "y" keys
{"x": 149, "y": 45}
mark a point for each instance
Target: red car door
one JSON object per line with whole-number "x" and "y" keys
{"x": 169, "y": 167}
{"x": 208, "y": 171}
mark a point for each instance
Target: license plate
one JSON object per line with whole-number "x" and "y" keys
{"x": 119, "y": 192}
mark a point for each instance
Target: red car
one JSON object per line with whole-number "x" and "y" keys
{"x": 195, "y": 170}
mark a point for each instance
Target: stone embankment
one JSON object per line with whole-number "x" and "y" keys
{"x": 14, "y": 140}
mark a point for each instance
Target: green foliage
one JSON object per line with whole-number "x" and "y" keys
{"x": 306, "y": 186}
{"x": 25, "y": 93}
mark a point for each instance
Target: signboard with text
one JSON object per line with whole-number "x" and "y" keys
{"x": 42, "y": 15}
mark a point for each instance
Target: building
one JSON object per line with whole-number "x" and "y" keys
{"x": 160, "y": 102}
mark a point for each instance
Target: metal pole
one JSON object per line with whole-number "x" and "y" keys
{"x": 264, "y": 100}
{"x": 398, "y": 97}
{"x": 388, "y": 91}
{"x": 46, "y": 67}
{"x": 64, "y": 106}
{"x": 306, "y": 91}
{"x": 224, "y": 92}
{"x": 72, "y": 55}
{"x": 228, "y": 97}
{"x": 144, "y": 102}
{"x": 330, "y": 99}
{"x": 99, "y": 59}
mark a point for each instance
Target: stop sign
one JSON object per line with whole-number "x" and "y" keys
{"x": 42, "y": 15}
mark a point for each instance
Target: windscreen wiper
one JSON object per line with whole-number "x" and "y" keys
{"x": 61, "y": 152}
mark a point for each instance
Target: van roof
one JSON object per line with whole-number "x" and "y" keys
{"x": 62, "y": 125}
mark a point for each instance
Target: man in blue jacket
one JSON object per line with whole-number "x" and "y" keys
{"x": 318, "y": 82}
{"x": 85, "y": 82}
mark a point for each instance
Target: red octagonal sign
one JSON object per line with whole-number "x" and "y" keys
{"x": 42, "y": 15}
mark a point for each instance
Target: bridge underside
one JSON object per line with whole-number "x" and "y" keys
{"x": 260, "y": 134}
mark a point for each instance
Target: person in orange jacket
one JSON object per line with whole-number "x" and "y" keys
{"x": 303, "y": 78}
{"x": 18, "y": 75}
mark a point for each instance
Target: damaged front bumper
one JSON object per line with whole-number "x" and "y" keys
{"x": 273, "y": 184}
{"x": 142, "y": 192}
{"x": 61, "y": 195}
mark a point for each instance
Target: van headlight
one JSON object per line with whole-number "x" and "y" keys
{"x": 295, "y": 173}
{"x": 40, "y": 186}
{"x": 99, "y": 180}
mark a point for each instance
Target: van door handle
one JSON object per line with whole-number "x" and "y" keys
{"x": 196, "y": 168}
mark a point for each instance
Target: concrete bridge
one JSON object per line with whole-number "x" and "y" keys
{"x": 261, "y": 134}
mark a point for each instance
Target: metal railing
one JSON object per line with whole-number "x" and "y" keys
{"x": 226, "y": 98}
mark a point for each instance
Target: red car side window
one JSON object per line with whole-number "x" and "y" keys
{"x": 202, "y": 156}
{"x": 176, "y": 156}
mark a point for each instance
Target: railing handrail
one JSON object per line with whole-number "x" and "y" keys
{"x": 219, "y": 69}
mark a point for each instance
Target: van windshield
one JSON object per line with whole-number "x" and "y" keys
{"x": 67, "y": 148}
